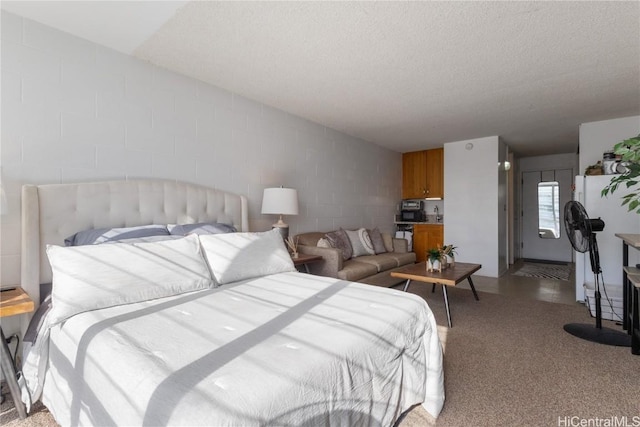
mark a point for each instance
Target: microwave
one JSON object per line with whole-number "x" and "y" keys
{"x": 412, "y": 211}
{"x": 412, "y": 216}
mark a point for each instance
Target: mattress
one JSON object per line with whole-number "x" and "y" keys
{"x": 283, "y": 349}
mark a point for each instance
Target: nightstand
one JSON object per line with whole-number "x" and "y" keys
{"x": 13, "y": 302}
{"x": 303, "y": 260}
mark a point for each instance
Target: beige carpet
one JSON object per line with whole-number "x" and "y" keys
{"x": 508, "y": 362}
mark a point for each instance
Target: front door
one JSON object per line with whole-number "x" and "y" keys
{"x": 544, "y": 194}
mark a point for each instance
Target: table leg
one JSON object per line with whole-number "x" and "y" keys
{"x": 433, "y": 288}
{"x": 473, "y": 289}
{"x": 406, "y": 285}
{"x": 306, "y": 268}
{"x": 446, "y": 304}
{"x": 634, "y": 324}
{"x": 627, "y": 291}
{"x": 9, "y": 372}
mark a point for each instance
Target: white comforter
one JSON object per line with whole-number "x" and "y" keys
{"x": 286, "y": 349}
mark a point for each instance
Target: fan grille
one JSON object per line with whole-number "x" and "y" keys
{"x": 577, "y": 226}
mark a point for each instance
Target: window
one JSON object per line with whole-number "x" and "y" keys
{"x": 549, "y": 210}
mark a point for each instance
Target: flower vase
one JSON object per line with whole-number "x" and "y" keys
{"x": 294, "y": 255}
{"x": 433, "y": 265}
{"x": 450, "y": 261}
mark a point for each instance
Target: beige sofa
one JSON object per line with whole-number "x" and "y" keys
{"x": 370, "y": 269}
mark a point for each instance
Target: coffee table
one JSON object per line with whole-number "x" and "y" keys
{"x": 448, "y": 277}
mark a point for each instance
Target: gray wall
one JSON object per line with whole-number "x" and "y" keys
{"x": 76, "y": 111}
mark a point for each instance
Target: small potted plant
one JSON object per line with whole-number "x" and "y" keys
{"x": 629, "y": 179}
{"x": 434, "y": 257}
{"x": 449, "y": 252}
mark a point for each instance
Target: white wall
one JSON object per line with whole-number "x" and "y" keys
{"x": 598, "y": 137}
{"x": 503, "y": 229}
{"x": 76, "y": 111}
{"x": 540, "y": 163}
{"x": 472, "y": 201}
{"x": 550, "y": 162}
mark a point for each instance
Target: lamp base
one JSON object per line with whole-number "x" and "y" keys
{"x": 284, "y": 231}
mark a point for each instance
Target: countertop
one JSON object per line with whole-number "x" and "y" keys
{"x": 630, "y": 239}
{"x": 416, "y": 223}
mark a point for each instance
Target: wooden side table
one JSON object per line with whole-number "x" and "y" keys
{"x": 630, "y": 291}
{"x": 13, "y": 302}
{"x": 303, "y": 260}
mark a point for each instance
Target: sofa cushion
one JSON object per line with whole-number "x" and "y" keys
{"x": 388, "y": 241}
{"x": 382, "y": 262}
{"x": 355, "y": 270}
{"x": 402, "y": 258}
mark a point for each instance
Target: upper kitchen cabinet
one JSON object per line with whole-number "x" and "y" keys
{"x": 423, "y": 174}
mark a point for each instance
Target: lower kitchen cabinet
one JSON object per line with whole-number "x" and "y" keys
{"x": 425, "y": 237}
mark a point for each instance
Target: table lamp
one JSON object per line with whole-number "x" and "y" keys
{"x": 280, "y": 201}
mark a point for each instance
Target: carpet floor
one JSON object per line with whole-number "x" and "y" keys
{"x": 508, "y": 362}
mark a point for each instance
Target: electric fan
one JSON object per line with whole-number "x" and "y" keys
{"x": 582, "y": 234}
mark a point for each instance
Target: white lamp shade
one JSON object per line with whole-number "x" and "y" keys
{"x": 280, "y": 201}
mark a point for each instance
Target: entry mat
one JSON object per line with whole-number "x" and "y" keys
{"x": 544, "y": 271}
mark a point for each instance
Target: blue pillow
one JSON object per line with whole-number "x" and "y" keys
{"x": 201, "y": 228}
{"x": 104, "y": 235}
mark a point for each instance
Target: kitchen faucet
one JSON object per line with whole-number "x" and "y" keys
{"x": 437, "y": 211}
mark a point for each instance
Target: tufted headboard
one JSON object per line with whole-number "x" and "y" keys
{"x": 50, "y": 213}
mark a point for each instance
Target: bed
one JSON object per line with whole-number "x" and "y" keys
{"x": 253, "y": 343}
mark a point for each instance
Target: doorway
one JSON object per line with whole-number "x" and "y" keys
{"x": 544, "y": 194}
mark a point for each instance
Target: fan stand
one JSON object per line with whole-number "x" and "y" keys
{"x": 597, "y": 334}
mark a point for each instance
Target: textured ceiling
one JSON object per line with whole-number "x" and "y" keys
{"x": 407, "y": 75}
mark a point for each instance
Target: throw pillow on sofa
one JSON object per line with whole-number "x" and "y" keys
{"x": 338, "y": 239}
{"x": 360, "y": 242}
{"x": 377, "y": 241}
{"x": 324, "y": 243}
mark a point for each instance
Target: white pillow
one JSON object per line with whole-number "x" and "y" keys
{"x": 323, "y": 243}
{"x": 99, "y": 276}
{"x": 239, "y": 256}
{"x": 360, "y": 242}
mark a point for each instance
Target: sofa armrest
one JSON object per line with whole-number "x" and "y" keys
{"x": 331, "y": 264}
{"x": 400, "y": 245}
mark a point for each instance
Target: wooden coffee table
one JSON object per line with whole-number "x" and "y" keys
{"x": 448, "y": 277}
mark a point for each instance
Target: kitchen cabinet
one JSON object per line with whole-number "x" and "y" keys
{"x": 425, "y": 237}
{"x": 423, "y": 174}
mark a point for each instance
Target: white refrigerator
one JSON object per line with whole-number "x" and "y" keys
{"x": 617, "y": 219}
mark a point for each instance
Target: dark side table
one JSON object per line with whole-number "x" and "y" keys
{"x": 303, "y": 260}
{"x": 13, "y": 302}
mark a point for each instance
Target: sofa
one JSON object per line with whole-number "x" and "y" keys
{"x": 370, "y": 269}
